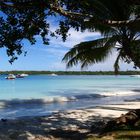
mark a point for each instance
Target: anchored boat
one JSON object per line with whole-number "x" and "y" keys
{"x": 10, "y": 77}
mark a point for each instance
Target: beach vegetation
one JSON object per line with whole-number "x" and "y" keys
{"x": 125, "y": 127}
{"x": 118, "y": 135}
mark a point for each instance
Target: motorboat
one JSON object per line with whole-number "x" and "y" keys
{"x": 24, "y": 75}
{"x": 21, "y": 75}
{"x": 53, "y": 74}
{"x": 10, "y": 77}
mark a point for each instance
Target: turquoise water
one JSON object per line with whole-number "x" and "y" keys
{"x": 43, "y": 94}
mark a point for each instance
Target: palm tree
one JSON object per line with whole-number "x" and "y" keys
{"x": 124, "y": 37}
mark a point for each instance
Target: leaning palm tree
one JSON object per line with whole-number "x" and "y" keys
{"x": 117, "y": 22}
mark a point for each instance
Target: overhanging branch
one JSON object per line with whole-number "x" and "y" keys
{"x": 75, "y": 15}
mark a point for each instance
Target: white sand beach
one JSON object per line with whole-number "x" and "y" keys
{"x": 62, "y": 124}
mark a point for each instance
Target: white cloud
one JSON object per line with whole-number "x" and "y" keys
{"x": 59, "y": 52}
{"x": 75, "y": 38}
{"x": 59, "y": 48}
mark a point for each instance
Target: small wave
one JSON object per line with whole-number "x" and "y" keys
{"x": 119, "y": 93}
{"x": 47, "y": 100}
{"x": 36, "y": 101}
{"x": 89, "y": 96}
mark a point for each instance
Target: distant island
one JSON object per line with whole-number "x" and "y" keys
{"x": 73, "y": 72}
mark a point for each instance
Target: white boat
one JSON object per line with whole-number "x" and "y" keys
{"x": 53, "y": 74}
{"x": 24, "y": 75}
{"x": 10, "y": 77}
{"x": 135, "y": 76}
{"x": 21, "y": 75}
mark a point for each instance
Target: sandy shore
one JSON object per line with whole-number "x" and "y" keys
{"x": 71, "y": 124}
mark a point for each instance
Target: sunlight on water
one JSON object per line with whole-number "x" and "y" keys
{"x": 48, "y": 93}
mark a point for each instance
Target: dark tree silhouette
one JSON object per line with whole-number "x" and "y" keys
{"x": 117, "y": 21}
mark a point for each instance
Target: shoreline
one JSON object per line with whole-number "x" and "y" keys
{"x": 74, "y": 123}
{"x": 60, "y": 103}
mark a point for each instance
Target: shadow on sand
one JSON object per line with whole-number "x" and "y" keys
{"x": 56, "y": 126}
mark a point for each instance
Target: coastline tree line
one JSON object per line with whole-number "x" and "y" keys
{"x": 72, "y": 72}
{"x": 117, "y": 21}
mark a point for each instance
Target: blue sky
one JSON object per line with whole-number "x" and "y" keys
{"x": 49, "y": 57}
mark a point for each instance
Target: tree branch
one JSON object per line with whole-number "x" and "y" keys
{"x": 76, "y": 15}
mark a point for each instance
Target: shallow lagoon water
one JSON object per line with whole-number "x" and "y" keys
{"x": 37, "y": 95}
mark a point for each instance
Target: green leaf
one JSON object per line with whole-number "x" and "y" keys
{"x": 90, "y": 52}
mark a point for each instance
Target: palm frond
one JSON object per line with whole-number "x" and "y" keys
{"x": 90, "y": 52}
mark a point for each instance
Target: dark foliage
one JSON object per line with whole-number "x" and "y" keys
{"x": 128, "y": 121}
{"x": 117, "y": 21}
